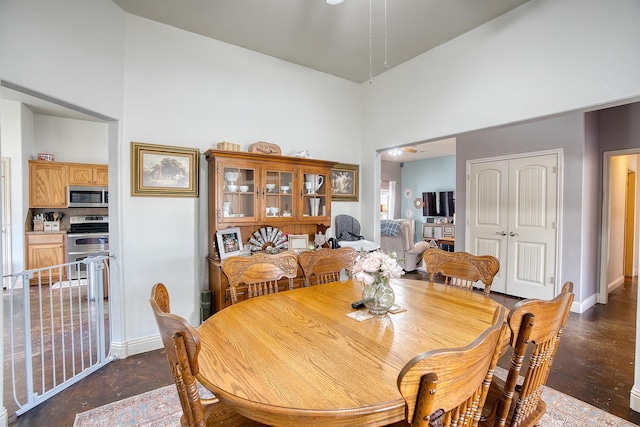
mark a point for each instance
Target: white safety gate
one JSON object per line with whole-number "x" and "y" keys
{"x": 57, "y": 328}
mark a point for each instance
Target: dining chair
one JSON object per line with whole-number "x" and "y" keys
{"x": 182, "y": 345}
{"x": 448, "y": 387}
{"x": 537, "y": 324}
{"x": 462, "y": 269}
{"x": 260, "y": 272}
{"x": 325, "y": 265}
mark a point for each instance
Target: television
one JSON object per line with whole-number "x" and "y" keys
{"x": 429, "y": 207}
{"x": 440, "y": 203}
{"x": 447, "y": 205}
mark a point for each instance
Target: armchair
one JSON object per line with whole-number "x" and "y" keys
{"x": 397, "y": 235}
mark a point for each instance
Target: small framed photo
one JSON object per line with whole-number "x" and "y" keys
{"x": 298, "y": 242}
{"x": 344, "y": 182}
{"x": 228, "y": 242}
{"x": 164, "y": 171}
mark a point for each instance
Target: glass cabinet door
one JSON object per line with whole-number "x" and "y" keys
{"x": 314, "y": 194}
{"x": 239, "y": 191}
{"x": 278, "y": 194}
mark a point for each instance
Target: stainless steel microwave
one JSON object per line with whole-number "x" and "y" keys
{"x": 87, "y": 197}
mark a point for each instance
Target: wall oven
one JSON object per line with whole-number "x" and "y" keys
{"x": 87, "y": 197}
{"x": 87, "y": 236}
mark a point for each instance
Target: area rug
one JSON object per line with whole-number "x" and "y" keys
{"x": 161, "y": 408}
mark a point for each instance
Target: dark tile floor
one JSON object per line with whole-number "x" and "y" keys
{"x": 594, "y": 363}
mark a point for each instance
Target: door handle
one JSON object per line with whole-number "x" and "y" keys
{"x": 501, "y": 233}
{"x": 512, "y": 234}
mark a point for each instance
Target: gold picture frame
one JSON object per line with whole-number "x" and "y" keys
{"x": 344, "y": 182}
{"x": 164, "y": 171}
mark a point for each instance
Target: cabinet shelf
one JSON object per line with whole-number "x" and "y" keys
{"x": 266, "y": 203}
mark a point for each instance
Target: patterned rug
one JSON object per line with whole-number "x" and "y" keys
{"x": 161, "y": 408}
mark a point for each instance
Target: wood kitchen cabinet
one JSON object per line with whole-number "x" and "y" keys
{"x": 46, "y": 250}
{"x": 88, "y": 174}
{"x": 48, "y": 181}
{"x": 47, "y": 184}
{"x": 253, "y": 190}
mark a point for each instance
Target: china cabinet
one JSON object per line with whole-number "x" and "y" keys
{"x": 251, "y": 191}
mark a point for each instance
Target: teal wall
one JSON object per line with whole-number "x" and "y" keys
{"x": 438, "y": 174}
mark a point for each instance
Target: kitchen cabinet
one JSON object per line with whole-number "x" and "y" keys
{"x": 48, "y": 181}
{"x": 46, "y": 250}
{"x": 88, "y": 174}
{"x": 47, "y": 184}
{"x": 254, "y": 190}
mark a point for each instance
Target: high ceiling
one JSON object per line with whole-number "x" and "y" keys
{"x": 347, "y": 40}
{"x": 331, "y": 39}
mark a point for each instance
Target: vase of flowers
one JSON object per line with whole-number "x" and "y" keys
{"x": 374, "y": 269}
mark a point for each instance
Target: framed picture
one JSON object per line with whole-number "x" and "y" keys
{"x": 298, "y": 242}
{"x": 228, "y": 242}
{"x": 161, "y": 170}
{"x": 344, "y": 182}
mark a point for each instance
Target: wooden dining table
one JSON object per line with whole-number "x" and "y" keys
{"x": 295, "y": 358}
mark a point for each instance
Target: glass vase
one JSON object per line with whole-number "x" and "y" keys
{"x": 378, "y": 296}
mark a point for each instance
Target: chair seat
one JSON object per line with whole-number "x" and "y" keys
{"x": 494, "y": 396}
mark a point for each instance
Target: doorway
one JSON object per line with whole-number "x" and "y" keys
{"x": 629, "y": 225}
{"x": 619, "y": 242}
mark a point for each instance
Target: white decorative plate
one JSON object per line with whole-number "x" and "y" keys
{"x": 408, "y": 193}
{"x": 409, "y": 213}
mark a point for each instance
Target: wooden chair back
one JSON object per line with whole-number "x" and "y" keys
{"x": 537, "y": 324}
{"x": 448, "y": 387}
{"x": 182, "y": 345}
{"x": 260, "y": 272}
{"x": 461, "y": 269}
{"x": 325, "y": 265}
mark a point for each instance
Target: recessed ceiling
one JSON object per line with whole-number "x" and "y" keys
{"x": 331, "y": 39}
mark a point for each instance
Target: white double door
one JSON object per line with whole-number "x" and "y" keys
{"x": 513, "y": 214}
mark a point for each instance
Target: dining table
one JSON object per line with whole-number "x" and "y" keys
{"x": 302, "y": 357}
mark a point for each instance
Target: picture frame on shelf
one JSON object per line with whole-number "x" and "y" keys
{"x": 344, "y": 182}
{"x": 228, "y": 242}
{"x": 298, "y": 242}
{"x": 164, "y": 171}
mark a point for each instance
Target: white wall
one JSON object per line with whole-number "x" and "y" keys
{"x": 544, "y": 58}
{"x": 187, "y": 90}
{"x": 70, "y": 140}
{"x": 16, "y": 129}
{"x": 70, "y": 50}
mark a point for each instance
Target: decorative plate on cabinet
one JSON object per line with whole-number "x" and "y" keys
{"x": 409, "y": 213}
{"x": 417, "y": 203}
{"x": 408, "y": 193}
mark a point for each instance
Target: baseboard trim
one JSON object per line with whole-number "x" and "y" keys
{"x": 634, "y": 402}
{"x": 617, "y": 282}
{"x": 141, "y": 345}
{"x": 582, "y": 306}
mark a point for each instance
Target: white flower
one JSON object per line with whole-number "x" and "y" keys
{"x": 376, "y": 263}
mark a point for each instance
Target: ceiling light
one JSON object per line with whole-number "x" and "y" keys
{"x": 334, "y": 2}
{"x": 395, "y": 152}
